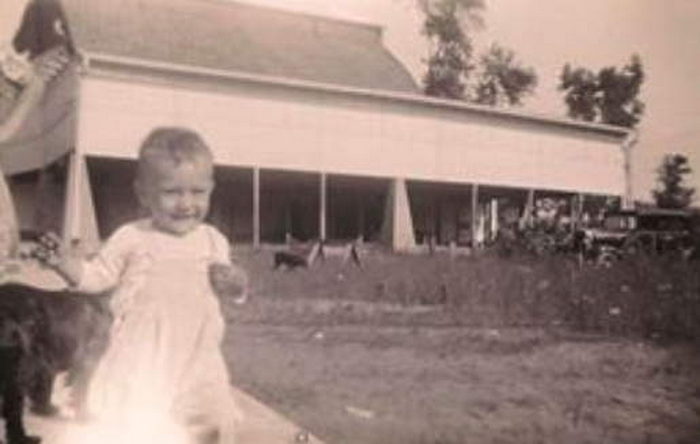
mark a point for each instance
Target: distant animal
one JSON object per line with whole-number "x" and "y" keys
{"x": 349, "y": 251}
{"x": 297, "y": 257}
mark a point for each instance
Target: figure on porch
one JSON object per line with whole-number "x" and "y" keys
{"x": 25, "y": 73}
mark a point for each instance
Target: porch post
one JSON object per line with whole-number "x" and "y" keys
{"x": 627, "y": 145}
{"x": 360, "y": 208}
{"x": 322, "y": 207}
{"x": 576, "y": 210}
{"x": 397, "y": 227}
{"x": 475, "y": 214}
{"x": 80, "y": 222}
{"x": 527, "y": 218}
{"x": 493, "y": 229}
{"x": 256, "y": 207}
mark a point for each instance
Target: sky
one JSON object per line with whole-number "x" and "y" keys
{"x": 546, "y": 34}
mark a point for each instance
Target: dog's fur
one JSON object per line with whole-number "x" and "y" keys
{"x": 65, "y": 333}
{"x": 348, "y": 251}
{"x": 297, "y": 257}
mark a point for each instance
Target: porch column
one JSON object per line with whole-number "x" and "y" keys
{"x": 627, "y": 145}
{"x": 397, "y": 227}
{"x": 576, "y": 210}
{"x": 360, "y": 208}
{"x": 493, "y": 215}
{"x": 322, "y": 207}
{"x": 256, "y": 207}
{"x": 582, "y": 218}
{"x": 80, "y": 222}
{"x": 475, "y": 214}
{"x": 527, "y": 218}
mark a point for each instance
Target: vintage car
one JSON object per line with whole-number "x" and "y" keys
{"x": 650, "y": 230}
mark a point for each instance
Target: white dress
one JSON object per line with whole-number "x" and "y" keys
{"x": 164, "y": 355}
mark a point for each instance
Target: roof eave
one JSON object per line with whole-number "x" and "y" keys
{"x": 100, "y": 62}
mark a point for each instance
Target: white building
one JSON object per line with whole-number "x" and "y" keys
{"x": 317, "y": 130}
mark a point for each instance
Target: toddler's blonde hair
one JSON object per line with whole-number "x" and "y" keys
{"x": 171, "y": 145}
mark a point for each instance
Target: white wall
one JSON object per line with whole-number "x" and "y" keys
{"x": 277, "y": 127}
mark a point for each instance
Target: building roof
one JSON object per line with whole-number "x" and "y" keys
{"x": 265, "y": 46}
{"x": 231, "y": 36}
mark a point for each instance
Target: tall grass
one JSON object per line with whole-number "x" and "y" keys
{"x": 642, "y": 296}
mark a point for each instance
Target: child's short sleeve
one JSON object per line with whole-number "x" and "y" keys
{"x": 221, "y": 249}
{"x": 103, "y": 271}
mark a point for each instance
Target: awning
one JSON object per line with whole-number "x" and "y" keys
{"x": 48, "y": 132}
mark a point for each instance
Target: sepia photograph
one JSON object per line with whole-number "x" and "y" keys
{"x": 349, "y": 221}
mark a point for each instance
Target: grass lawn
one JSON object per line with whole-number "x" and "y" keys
{"x": 354, "y": 371}
{"x": 369, "y": 384}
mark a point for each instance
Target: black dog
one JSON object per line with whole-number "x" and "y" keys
{"x": 62, "y": 332}
{"x": 296, "y": 257}
{"x": 290, "y": 260}
{"x": 12, "y": 395}
{"x": 16, "y": 329}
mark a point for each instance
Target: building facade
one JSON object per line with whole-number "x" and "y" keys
{"x": 317, "y": 130}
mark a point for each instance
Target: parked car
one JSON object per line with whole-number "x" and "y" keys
{"x": 650, "y": 230}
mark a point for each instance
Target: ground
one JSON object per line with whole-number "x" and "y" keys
{"x": 476, "y": 350}
{"x": 376, "y": 383}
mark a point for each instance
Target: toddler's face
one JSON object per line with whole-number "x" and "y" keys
{"x": 178, "y": 195}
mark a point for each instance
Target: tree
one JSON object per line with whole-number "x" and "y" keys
{"x": 671, "y": 174}
{"x": 449, "y": 62}
{"x": 610, "y": 96}
{"x": 502, "y": 80}
{"x": 497, "y": 79}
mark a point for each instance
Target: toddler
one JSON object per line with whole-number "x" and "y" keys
{"x": 163, "y": 373}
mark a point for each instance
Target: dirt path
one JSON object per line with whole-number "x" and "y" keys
{"x": 365, "y": 384}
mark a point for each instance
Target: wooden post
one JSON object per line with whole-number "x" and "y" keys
{"x": 475, "y": 213}
{"x": 530, "y": 206}
{"x": 79, "y": 219}
{"x": 322, "y": 207}
{"x": 431, "y": 223}
{"x": 72, "y": 201}
{"x": 360, "y": 208}
{"x": 576, "y": 210}
{"x": 256, "y": 207}
{"x": 493, "y": 219}
{"x": 627, "y": 145}
{"x": 397, "y": 226}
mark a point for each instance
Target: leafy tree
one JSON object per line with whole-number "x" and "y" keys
{"x": 497, "y": 79}
{"x": 581, "y": 87}
{"x": 502, "y": 80}
{"x": 671, "y": 174}
{"x": 449, "y": 62}
{"x": 610, "y": 96}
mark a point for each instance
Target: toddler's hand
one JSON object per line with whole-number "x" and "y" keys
{"x": 229, "y": 281}
{"x": 48, "y": 249}
{"x": 51, "y": 252}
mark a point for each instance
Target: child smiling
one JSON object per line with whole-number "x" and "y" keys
{"x": 164, "y": 366}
